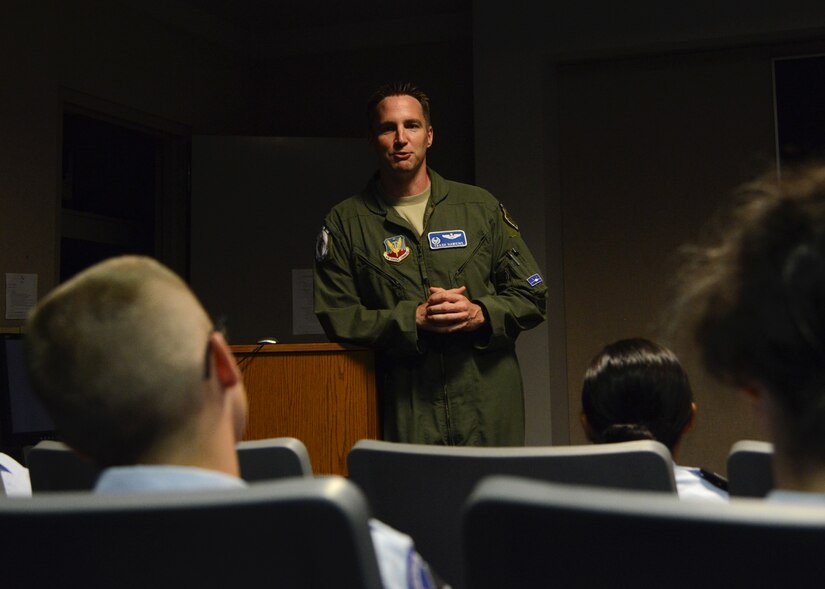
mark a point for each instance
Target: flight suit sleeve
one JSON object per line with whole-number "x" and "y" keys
{"x": 521, "y": 293}
{"x": 339, "y": 307}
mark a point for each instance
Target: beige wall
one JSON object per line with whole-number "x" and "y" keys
{"x": 150, "y": 63}
{"x": 618, "y": 132}
{"x": 649, "y": 148}
{"x": 107, "y": 58}
{"x": 28, "y": 151}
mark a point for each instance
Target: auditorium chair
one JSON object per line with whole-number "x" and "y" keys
{"x": 293, "y": 533}
{"x": 53, "y": 466}
{"x": 527, "y": 533}
{"x": 420, "y": 489}
{"x": 750, "y": 469}
{"x": 273, "y": 458}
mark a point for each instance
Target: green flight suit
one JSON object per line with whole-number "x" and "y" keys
{"x": 372, "y": 270}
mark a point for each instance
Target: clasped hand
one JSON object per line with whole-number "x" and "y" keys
{"x": 448, "y": 310}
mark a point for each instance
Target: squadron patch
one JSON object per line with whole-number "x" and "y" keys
{"x": 322, "y": 245}
{"x": 507, "y": 218}
{"x": 446, "y": 239}
{"x": 534, "y": 280}
{"x": 395, "y": 249}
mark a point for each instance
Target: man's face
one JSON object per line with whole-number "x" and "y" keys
{"x": 401, "y": 135}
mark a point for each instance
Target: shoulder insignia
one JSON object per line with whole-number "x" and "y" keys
{"x": 534, "y": 280}
{"x": 323, "y": 243}
{"x": 507, "y": 218}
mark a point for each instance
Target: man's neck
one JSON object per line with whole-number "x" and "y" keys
{"x": 400, "y": 186}
{"x": 211, "y": 451}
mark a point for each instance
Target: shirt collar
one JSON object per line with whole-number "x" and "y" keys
{"x": 147, "y": 478}
{"x": 439, "y": 188}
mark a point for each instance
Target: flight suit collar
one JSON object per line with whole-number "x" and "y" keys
{"x": 439, "y": 188}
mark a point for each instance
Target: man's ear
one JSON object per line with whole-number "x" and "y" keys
{"x": 429, "y": 136}
{"x": 226, "y": 369}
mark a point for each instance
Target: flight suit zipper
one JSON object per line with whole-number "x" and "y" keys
{"x": 425, "y": 281}
{"x": 447, "y": 416}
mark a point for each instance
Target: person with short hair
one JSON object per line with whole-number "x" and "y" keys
{"x": 753, "y": 298}
{"x": 132, "y": 371}
{"x": 137, "y": 378}
{"x": 435, "y": 277}
{"x": 635, "y": 389}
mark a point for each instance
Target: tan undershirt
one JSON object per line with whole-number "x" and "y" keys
{"x": 412, "y": 208}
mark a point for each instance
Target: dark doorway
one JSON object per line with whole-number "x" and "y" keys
{"x": 124, "y": 191}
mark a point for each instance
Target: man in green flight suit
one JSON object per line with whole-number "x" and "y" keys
{"x": 435, "y": 277}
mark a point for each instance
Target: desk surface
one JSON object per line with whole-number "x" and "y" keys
{"x": 284, "y": 348}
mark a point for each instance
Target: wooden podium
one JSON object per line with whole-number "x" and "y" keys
{"x": 322, "y": 394}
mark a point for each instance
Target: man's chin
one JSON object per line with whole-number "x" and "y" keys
{"x": 405, "y": 167}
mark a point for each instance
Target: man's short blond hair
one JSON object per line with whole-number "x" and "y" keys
{"x": 117, "y": 356}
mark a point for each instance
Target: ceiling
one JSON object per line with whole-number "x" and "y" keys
{"x": 268, "y": 16}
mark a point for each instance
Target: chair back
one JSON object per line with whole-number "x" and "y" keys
{"x": 420, "y": 490}
{"x": 295, "y": 533}
{"x": 273, "y": 458}
{"x": 521, "y": 533}
{"x": 750, "y": 469}
{"x": 53, "y": 466}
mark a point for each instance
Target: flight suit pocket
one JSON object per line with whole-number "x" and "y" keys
{"x": 377, "y": 288}
{"x": 511, "y": 267}
{"x": 503, "y": 274}
{"x": 475, "y": 268}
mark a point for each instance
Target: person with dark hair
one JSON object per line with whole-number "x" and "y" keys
{"x": 434, "y": 276}
{"x": 753, "y": 297}
{"x": 635, "y": 389}
{"x": 398, "y": 89}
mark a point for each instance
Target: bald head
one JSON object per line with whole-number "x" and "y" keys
{"x": 117, "y": 355}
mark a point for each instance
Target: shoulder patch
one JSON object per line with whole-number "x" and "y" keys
{"x": 323, "y": 244}
{"x": 534, "y": 280}
{"x": 505, "y": 214}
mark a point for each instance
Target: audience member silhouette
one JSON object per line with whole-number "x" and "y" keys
{"x": 753, "y": 297}
{"x": 137, "y": 378}
{"x": 635, "y": 389}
